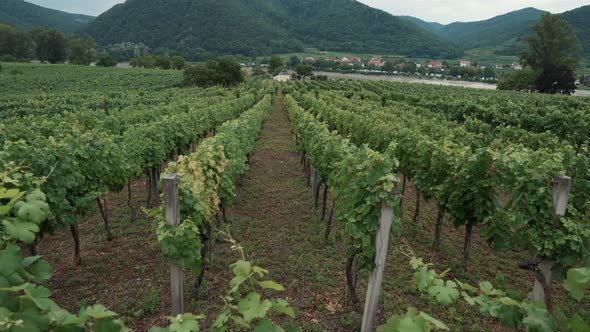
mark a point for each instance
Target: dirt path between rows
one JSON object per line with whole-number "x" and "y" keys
{"x": 275, "y": 222}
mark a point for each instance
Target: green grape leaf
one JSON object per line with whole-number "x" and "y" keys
{"x": 106, "y": 325}
{"x": 576, "y": 282}
{"x": 98, "y": 311}
{"x": 40, "y": 271}
{"x": 437, "y": 323}
{"x": 444, "y": 293}
{"x": 21, "y": 230}
{"x": 10, "y": 260}
{"x": 511, "y": 316}
{"x": 538, "y": 320}
{"x": 269, "y": 284}
{"x": 185, "y": 323}
{"x": 282, "y": 306}
{"x": 242, "y": 268}
{"x": 423, "y": 278}
{"x": 251, "y": 307}
{"x": 222, "y": 318}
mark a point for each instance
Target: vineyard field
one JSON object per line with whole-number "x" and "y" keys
{"x": 281, "y": 194}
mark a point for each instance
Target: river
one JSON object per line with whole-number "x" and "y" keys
{"x": 405, "y": 79}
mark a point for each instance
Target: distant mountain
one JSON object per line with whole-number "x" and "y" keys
{"x": 506, "y": 32}
{"x": 492, "y": 32}
{"x": 579, "y": 19}
{"x": 24, "y": 15}
{"x": 256, "y": 27}
{"x": 430, "y": 26}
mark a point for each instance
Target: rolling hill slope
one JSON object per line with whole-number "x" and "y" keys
{"x": 506, "y": 32}
{"x": 256, "y": 27}
{"x": 23, "y": 15}
{"x": 579, "y": 19}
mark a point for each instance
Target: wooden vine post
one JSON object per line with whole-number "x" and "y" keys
{"x": 542, "y": 288}
{"x": 376, "y": 277}
{"x": 170, "y": 187}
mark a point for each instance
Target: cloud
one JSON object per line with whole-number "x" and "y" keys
{"x": 92, "y": 7}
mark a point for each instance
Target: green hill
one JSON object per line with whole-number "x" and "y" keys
{"x": 505, "y": 33}
{"x": 579, "y": 19}
{"x": 258, "y": 27}
{"x": 23, "y": 15}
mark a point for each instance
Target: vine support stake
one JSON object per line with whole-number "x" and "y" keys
{"x": 542, "y": 288}
{"x": 376, "y": 277}
{"x": 316, "y": 186}
{"x": 170, "y": 187}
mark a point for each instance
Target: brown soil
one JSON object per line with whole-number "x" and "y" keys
{"x": 274, "y": 220}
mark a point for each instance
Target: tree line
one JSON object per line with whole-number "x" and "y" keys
{"x": 52, "y": 46}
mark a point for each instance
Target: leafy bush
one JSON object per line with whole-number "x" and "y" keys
{"x": 178, "y": 62}
{"x": 147, "y": 61}
{"x": 8, "y": 58}
{"x": 518, "y": 80}
{"x": 106, "y": 60}
{"x": 216, "y": 72}
{"x": 163, "y": 62}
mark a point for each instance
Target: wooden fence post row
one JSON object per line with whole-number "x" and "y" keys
{"x": 170, "y": 188}
{"x": 376, "y": 277}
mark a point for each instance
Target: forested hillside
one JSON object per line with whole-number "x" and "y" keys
{"x": 506, "y": 32}
{"x": 23, "y": 15}
{"x": 264, "y": 26}
{"x": 580, "y": 20}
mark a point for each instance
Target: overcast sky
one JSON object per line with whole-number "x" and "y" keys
{"x": 442, "y": 11}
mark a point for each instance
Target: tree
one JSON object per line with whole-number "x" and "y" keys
{"x": 82, "y": 51}
{"x": 51, "y": 45}
{"x": 178, "y": 62}
{"x": 489, "y": 72}
{"x": 410, "y": 67}
{"x": 553, "y": 53}
{"x": 275, "y": 65}
{"x": 147, "y": 61}
{"x": 163, "y": 62}
{"x": 389, "y": 66}
{"x": 556, "y": 79}
{"x": 222, "y": 71}
{"x": 8, "y": 40}
{"x": 304, "y": 70}
{"x": 258, "y": 71}
{"x": 519, "y": 80}
{"x": 294, "y": 61}
{"x": 106, "y": 60}
{"x": 25, "y": 47}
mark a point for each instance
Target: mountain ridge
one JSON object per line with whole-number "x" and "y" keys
{"x": 26, "y": 16}
{"x": 264, "y": 26}
{"x": 506, "y": 32}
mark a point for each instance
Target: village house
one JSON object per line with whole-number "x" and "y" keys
{"x": 376, "y": 62}
{"x": 435, "y": 64}
{"x": 464, "y": 63}
{"x": 516, "y": 66}
{"x": 351, "y": 60}
{"x": 499, "y": 66}
{"x": 309, "y": 60}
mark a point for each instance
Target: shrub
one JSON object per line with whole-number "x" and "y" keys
{"x": 106, "y": 60}
{"x": 518, "y": 80}
{"x": 163, "y": 62}
{"x": 178, "y": 62}
{"x": 215, "y": 72}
